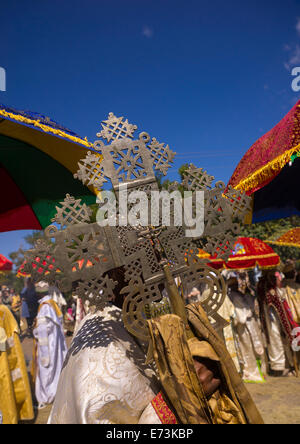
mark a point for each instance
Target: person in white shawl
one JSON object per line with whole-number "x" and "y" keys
{"x": 50, "y": 347}
{"x": 58, "y": 297}
{"x": 248, "y": 334}
{"x": 105, "y": 379}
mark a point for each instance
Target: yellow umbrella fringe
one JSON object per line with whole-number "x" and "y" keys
{"x": 264, "y": 267}
{"x": 282, "y": 244}
{"x": 45, "y": 128}
{"x": 267, "y": 171}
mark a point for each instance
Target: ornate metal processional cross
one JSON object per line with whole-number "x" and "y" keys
{"x": 82, "y": 254}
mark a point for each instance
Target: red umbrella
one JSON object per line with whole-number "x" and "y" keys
{"x": 5, "y": 264}
{"x": 22, "y": 273}
{"x": 264, "y": 172}
{"x": 246, "y": 254}
{"x": 289, "y": 239}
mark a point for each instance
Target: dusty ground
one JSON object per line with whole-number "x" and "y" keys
{"x": 278, "y": 400}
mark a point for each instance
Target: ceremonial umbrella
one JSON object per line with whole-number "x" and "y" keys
{"x": 38, "y": 158}
{"x": 5, "y": 264}
{"x": 248, "y": 252}
{"x": 22, "y": 273}
{"x": 270, "y": 169}
{"x": 289, "y": 239}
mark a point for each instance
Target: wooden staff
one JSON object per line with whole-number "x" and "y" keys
{"x": 296, "y": 364}
{"x": 176, "y": 300}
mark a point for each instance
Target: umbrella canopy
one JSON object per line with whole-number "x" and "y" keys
{"x": 5, "y": 264}
{"x": 22, "y": 273}
{"x": 38, "y": 158}
{"x": 265, "y": 173}
{"x": 290, "y": 239}
{"x": 248, "y": 252}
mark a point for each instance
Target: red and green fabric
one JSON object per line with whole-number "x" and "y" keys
{"x": 37, "y": 161}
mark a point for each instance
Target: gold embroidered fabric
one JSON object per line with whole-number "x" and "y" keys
{"x": 176, "y": 370}
{"x": 15, "y": 393}
{"x": 292, "y": 293}
{"x": 232, "y": 385}
{"x": 202, "y": 349}
{"x": 173, "y": 355}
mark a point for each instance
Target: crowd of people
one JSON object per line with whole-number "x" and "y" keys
{"x": 36, "y": 314}
{"x": 12, "y": 300}
{"x": 262, "y": 309}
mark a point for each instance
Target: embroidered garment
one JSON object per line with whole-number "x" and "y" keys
{"x": 292, "y": 294}
{"x": 275, "y": 298}
{"x": 278, "y": 324}
{"x": 164, "y": 413}
{"x": 278, "y": 348}
{"x": 105, "y": 379}
{"x": 173, "y": 353}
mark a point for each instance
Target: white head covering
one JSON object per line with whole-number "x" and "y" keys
{"x": 42, "y": 288}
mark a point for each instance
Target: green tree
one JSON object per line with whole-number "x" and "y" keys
{"x": 17, "y": 257}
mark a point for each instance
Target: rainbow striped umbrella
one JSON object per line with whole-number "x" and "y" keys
{"x": 38, "y": 158}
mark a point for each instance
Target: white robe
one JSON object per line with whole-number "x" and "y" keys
{"x": 279, "y": 349}
{"x": 51, "y": 352}
{"x": 105, "y": 379}
{"x": 249, "y": 337}
{"x": 228, "y": 313}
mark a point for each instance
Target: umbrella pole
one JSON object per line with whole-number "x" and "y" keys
{"x": 296, "y": 364}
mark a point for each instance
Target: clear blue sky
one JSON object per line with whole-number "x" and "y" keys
{"x": 206, "y": 77}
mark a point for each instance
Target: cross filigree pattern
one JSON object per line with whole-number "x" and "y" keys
{"x": 91, "y": 171}
{"x": 72, "y": 212}
{"x": 115, "y": 128}
{"x": 161, "y": 155}
{"x": 128, "y": 163}
{"x": 196, "y": 179}
{"x": 97, "y": 291}
{"x": 81, "y": 254}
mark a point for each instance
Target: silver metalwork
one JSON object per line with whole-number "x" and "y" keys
{"x": 115, "y": 128}
{"x": 81, "y": 254}
{"x": 72, "y": 212}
